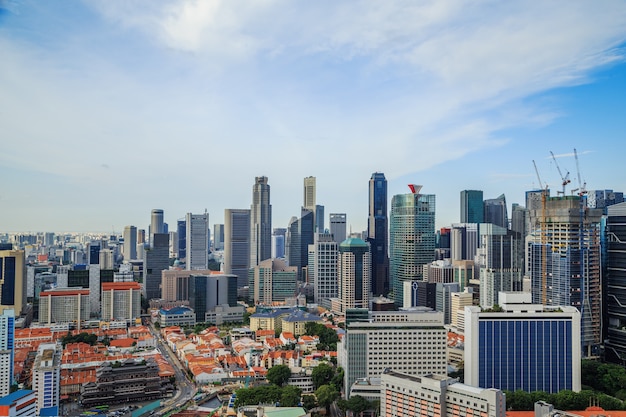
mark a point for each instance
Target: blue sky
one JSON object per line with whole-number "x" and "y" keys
{"x": 109, "y": 109}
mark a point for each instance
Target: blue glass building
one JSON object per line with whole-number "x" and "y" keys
{"x": 377, "y": 231}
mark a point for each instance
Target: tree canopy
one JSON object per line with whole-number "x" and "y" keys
{"x": 328, "y": 337}
{"x": 278, "y": 374}
{"x": 290, "y": 396}
{"x": 322, "y": 374}
{"x": 264, "y": 394}
{"x": 326, "y": 394}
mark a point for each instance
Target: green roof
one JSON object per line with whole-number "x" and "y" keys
{"x": 353, "y": 241}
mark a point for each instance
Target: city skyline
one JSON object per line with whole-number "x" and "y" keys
{"x": 111, "y": 110}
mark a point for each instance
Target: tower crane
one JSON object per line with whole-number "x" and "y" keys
{"x": 582, "y": 187}
{"x": 565, "y": 179}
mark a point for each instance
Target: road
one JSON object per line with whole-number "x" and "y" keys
{"x": 186, "y": 388}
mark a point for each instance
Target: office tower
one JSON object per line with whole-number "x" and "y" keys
{"x": 464, "y": 241}
{"x": 412, "y": 243}
{"x": 181, "y": 235}
{"x": 197, "y": 246}
{"x": 207, "y": 292}
{"x": 525, "y": 346}
{"x": 495, "y": 211}
{"x": 458, "y": 302}
{"x": 237, "y": 244}
{"x": 419, "y": 294}
{"x": 615, "y": 343}
{"x": 413, "y": 342}
{"x": 442, "y": 250}
{"x": 278, "y": 243}
{"x": 129, "y": 249}
{"x": 64, "y": 305}
{"x": 47, "y": 377}
{"x": 12, "y": 280}
{"x": 94, "y": 252}
{"x": 156, "y": 259}
{"x": 21, "y": 403}
{"x": 156, "y": 222}
{"x": 272, "y": 280}
{"x": 439, "y": 271}
{"x": 7, "y": 344}
{"x": 603, "y": 198}
{"x": 107, "y": 259}
{"x": 443, "y": 299}
{"x": 319, "y": 219}
{"x": 141, "y": 237}
{"x": 564, "y": 261}
{"x": 377, "y": 233}
{"x": 260, "y": 222}
{"x": 299, "y": 237}
{"x": 436, "y": 395}
{"x": 323, "y": 271}
{"x": 121, "y": 301}
{"x": 354, "y": 270}
{"x": 309, "y": 194}
{"x": 338, "y": 226}
{"x": 175, "y": 284}
{"x": 218, "y": 237}
{"x": 95, "y": 274}
{"x": 500, "y": 260}
{"x": 472, "y": 209}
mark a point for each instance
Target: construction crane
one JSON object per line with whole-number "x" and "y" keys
{"x": 565, "y": 179}
{"x": 582, "y": 187}
{"x": 538, "y": 177}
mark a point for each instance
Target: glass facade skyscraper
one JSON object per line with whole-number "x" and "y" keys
{"x": 615, "y": 343}
{"x": 496, "y": 212}
{"x": 472, "y": 208}
{"x": 260, "y": 222}
{"x": 412, "y": 239}
{"x": 377, "y": 233}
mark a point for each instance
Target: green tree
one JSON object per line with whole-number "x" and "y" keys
{"x": 358, "y": 404}
{"x": 337, "y": 380}
{"x": 519, "y": 401}
{"x": 322, "y": 374}
{"x": 278, "y": 374}
{"x": 326, "y": 394}
{"x": 309, "y": 402}
{"x": 290, "y": 396}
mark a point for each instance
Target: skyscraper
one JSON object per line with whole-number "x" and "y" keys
{"x": 564, "y": 261}
{"x": 218, "y": 237}
{"x": 12, "y": 280}
{"x": 319, "y": 218}
{"x": 299, "y": 237}
{"x": 156, "y": 259}
{"x": 412, "y": 243}
{"x": 309, "y": 194}
{"x": 272, "y": 280}
{"x": 377, "y": 230}
{"x": 472, "y": 209}
{"x": 156, "y": 222}
{"x": 237, "y": 244}
{"x": 7, "y": 343}
{"x": 278, "y": 242}
{"x": 130, "y": 243}
{"x": 323, "y": 272}
{"x": 260, "y": 222}
{"x": 354, "y": 270}
{"x": 496, "y": 212}
{"x": 181, "y": 229}
{"x": 338, "y": 226}
{"x": 197, "y": 236}
{"x": 47, "y": 377}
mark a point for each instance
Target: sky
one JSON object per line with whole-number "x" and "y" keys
{"x": 109, "y": 109}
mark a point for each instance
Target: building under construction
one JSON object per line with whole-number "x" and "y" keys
{"x": 564, "y": 261}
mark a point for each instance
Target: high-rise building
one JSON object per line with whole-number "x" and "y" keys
{"x": 603, "y": 198}
{"x": 472, "y": 209}
{"x": 64, "y": 305}
{"x": 309, "y": 194}
{"x": 412, "y": 243}
{"x": 495, "y": 211}
{"x": 413, "y": 342}
{"x": 299, "y": 237}
{"x": 464, "y": 241}
{"x": 21, "y": 403}
{"x": 377, "y": 231}
{"x": 141, "y": 237}
{"x": 524, "y": 346}
{"x": 615, "y": 343}
{"x": 436, "y": 395}
{"x": 272, "y": 280}
{"x": 353, "y": 268}
{"x": 443, "y": 298}
{"x": 564, "y": 261}
{"x": 47, "y": 377}
{"x": 500, "y": 260}
{"x": 197, "y": 245}
{"x": 7, "y": 344}
{"x": 419, "y": 294}
{"x": 181, "y": 229}
{"x": 107, "y": 259}
{"x": 156, "y": 222}
{"x": 237, "y": 244}
{"x": 260, "y": 222}
{"x": 218, "y": 237}
{"x": 278, "y": 242}
{"x": 121, "y": 301}
{"x": 338, "y": 226}
{"x": 156, "y": 259}
{"x": 129, "y": 247}
{"x": 319, "y": 219}
{"x": 12, "y": 280}
{"x": 458, "y": 302}
{"x": 173, "y": 244}
{"x": 323, "y": 271}
{"x": 210, "y": 291}
{"x": 175, "y": 284}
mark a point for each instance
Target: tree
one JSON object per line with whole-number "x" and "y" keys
{"x": 290, "y": 396}
{"x": 337, "y": 380}
{"x": 326, "y": 394}
{"x": 309, "y": 402}
{"x": 358, "y": 404}
{"x": 322, "y": 374}
{"x": 278, "y": 374}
